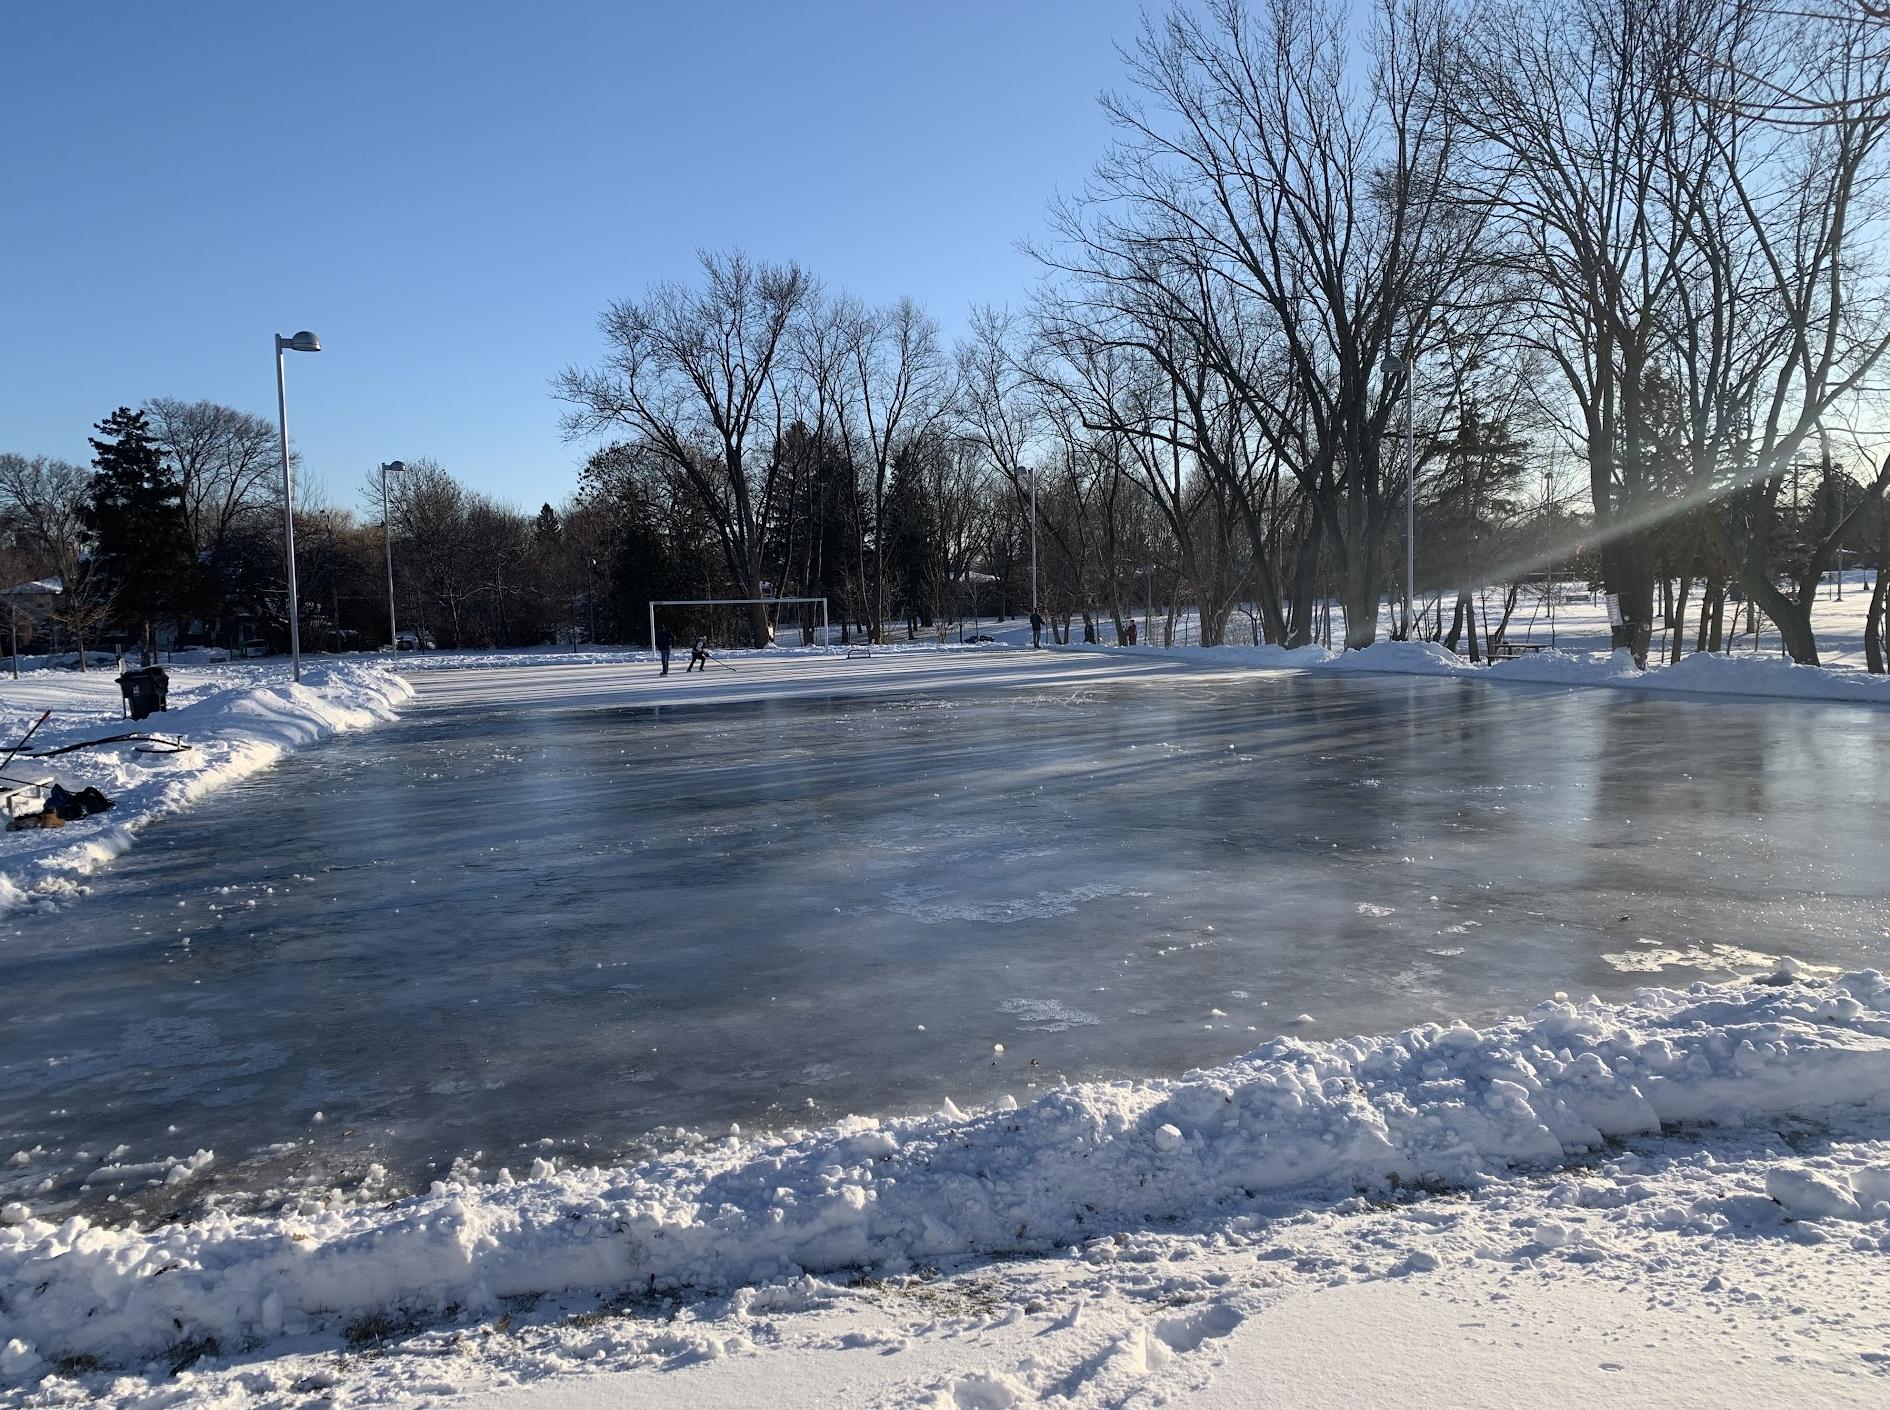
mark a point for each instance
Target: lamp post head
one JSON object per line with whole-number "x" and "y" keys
{"x": 1395, "y": 365}
{"x": 304, "y": 341}
{"x": 394, "y": 467}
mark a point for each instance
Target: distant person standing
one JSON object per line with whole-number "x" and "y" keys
{"x": 663, "y": 643}
{"x": 698, "y": 656}
{"x": 1128, "y": 632}
{"x": 1036, "y": 628}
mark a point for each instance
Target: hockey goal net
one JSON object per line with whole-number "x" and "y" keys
{"x": 729, "y": 621}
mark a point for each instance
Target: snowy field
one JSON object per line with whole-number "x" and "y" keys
{"x": 1604, "y": 1202}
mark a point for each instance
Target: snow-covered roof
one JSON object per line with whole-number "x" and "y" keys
{"x": 41, "y": 587}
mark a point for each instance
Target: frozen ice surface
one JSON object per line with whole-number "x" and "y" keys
{"x": 492, "y": 935}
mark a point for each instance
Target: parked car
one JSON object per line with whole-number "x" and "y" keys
{"x": 420, "y": 640}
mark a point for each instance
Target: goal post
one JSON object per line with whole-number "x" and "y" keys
{"x": 772, "y": 602}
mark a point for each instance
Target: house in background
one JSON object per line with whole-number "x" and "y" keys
{"x": 29, "y": 608}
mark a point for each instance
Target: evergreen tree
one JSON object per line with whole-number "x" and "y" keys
{"x": 136, "y": 516}
{"x": 641, "y": 572}
{"x": 909, "y": 550}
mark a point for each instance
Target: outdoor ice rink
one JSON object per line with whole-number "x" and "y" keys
{"x": 565, "y": 911}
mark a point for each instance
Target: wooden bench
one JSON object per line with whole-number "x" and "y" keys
{"x": 1510, "y": 650}
{"x": 18, "y": 795}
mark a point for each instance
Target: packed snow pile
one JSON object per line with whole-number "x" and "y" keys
{"x": 1432, "y": 1106}
{"x": 1258, "y": 658}
{"x": 1700, "y": 673}
{"x": 234, "y": 724}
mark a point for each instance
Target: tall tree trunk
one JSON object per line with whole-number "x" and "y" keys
{"x": 1873, "y": 620}
{"x": 1455, "y": 633}
{"x": 1265, "y": 578}
{"x": 1677, "y": 616}
{"x": 1494, "y": 639}
{"x": 757, "y": 611}
{"x": 1214, "y": 616}
{"x": 1873, "y": 626}
{"x": 1359, "y": 587}
{"x": 1306, "y": 597}
{"x": 1631, "y": 579}
{"x": 1792, "y": 618}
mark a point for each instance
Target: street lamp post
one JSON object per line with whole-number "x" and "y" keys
{"x": 1397, "y": 366}
{"x": 390, "y": 467}
{"x": 301, "y": 342}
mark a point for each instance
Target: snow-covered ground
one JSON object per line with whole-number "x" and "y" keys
{"x": 1576, "y": 621}
{"x": 1572, "y": 634}
{"x": 1596, "y": 1204}
{"x": 237, "y": 718}
{"x": 603, "y": 678}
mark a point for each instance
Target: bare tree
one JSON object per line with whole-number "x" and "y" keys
{"x": 228, "y": 461}
{"x": 438, "y": 552}
{"x": 1583, "y": 120}
{"x": 1050, "y": 477}
{"x": 696, "y": 373}
{"x": 892, "y": 384}
{"x": 1682, "y": 241}
{"x": 1182, "y": 434}
{"x": 1292, "y": 210}
{"x": 1810, "y": 202}
{"x": 44, "y": 501}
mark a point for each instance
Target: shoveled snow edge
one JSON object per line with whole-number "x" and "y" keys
{"x": 233, "y": 733}
{"x": 1444, "y": 1106}
{"x": 1701, "y": 673}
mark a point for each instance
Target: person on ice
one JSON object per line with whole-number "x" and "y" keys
{"x": 698, "y": 656}
{"x": 1036, "y": 628}
{"x": 663, "y": 642}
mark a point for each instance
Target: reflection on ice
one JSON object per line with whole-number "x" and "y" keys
{"x": 932, "y": 905}
{"x": 1047, "y": 1015}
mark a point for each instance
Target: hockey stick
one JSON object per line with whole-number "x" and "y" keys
{"x": 22, "y": 744}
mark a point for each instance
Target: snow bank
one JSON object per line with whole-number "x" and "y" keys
{"x": 1698, "y": 673}
{"x": 235, "y": 729}
{"x": 1432, "y": 1105}
{"x": 1263, "y": 658}
{"x": 1734, "y": 675}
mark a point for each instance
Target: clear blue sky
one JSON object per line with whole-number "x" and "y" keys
{"x": 448, "y": 193}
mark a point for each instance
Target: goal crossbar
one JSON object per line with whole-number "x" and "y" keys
{"x": 735, "y": 602}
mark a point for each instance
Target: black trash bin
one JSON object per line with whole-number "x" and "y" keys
{"x": 145, "y": 690}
